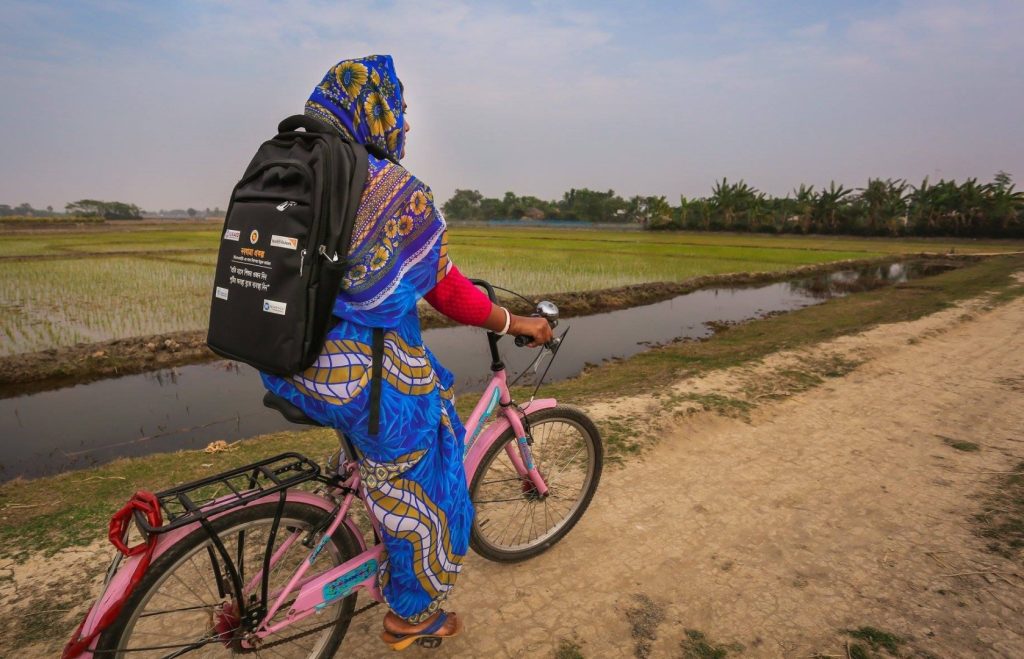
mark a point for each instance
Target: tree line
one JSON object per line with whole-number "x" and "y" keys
{"x": 109, "y": 210}
{"x": 26, "y": 210}
{"x": 883, "y": 207}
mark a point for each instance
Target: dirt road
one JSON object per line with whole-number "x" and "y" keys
{"x": 838, "y": 508}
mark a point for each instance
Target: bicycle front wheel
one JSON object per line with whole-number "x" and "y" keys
{"x": 513, "y": 522}
{"x": 185, "y": 605}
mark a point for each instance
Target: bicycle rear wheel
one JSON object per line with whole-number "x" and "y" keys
{"x": 512, "y": 522}
{"x": 185, "y": 600}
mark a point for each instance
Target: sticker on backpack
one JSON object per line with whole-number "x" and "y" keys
{"x": 232, "y": 234}
{"x": 270, "y": 306}
{"x": 284, "y": 241}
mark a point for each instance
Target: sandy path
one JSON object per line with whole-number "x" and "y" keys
{"x": 834, "y": 509}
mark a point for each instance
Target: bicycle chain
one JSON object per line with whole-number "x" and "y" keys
{"x": 314, "y": 630}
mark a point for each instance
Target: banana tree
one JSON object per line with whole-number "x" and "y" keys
{"x": 829, "y": 205}
{"x": 884, "y": 202}
{"x": 1005, "y": 207}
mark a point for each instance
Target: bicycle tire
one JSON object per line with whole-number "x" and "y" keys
{"x": 342, "y": 547}
{"x": 487, "y": 546}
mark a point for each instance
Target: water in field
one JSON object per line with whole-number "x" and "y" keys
{"x": 188, "y": 407}
{"x": 49, "y": 303}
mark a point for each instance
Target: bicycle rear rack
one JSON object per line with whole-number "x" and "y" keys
{"x": 200, "y": 500}
{"x": 197, "y": 501}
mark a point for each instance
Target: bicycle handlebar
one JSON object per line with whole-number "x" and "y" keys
{"x": 487, "y": 287}
{"x": 545, "y": 309}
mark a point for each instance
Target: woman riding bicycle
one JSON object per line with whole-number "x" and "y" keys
{"x": 412, "y": 466}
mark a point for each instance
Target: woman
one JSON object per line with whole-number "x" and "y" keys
{"x": 412, "y": 467}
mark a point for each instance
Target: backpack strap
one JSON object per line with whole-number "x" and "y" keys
{"x": 354, "y": 168}
{"x": 360, "y": 172}
{"x": 376, "y": 375}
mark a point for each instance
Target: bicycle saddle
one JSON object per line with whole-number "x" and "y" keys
{"x": 287, "y": 410}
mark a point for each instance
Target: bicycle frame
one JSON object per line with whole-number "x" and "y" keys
{"x": 360, "y": 573}
{"x": 313, "y": 594}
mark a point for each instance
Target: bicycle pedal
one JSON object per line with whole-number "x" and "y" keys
{"x": 429, "y": 642}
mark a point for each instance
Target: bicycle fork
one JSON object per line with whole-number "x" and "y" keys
{"x": 520, "y": 453}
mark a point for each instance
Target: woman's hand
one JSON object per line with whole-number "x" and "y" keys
{"x": 536, "y": 328}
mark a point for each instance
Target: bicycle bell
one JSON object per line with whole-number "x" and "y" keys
{"x": 548, "y": 310}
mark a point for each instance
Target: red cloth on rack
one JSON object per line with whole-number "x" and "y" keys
{"x": 457, "y": 298}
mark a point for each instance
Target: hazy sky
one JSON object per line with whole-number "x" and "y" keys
{"x": 162, "y": 103}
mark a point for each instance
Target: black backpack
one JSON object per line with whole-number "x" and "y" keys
{"x": 284, "y": 247}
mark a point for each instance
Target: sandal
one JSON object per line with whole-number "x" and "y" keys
{"x": 426, "y": 637}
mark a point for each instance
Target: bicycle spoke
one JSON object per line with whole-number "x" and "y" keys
{"x": 178, "y": 599}
{"x": 184, "y": 608}
{"x": 515, "y": 498}
{"x": 523, "y": 525}
{"x": 187, "y": 587}
{"x": 189, "y": 648}
{"x": 510, "y": 519}
{"x": 559, "y": 472}
{"x": 191, "y": 561}
{"x": 502, "y": 480}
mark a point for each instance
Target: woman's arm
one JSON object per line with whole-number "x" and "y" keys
{"x": 460, "y": 300}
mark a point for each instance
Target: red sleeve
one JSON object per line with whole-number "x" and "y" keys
{"x": 460, "y": 300}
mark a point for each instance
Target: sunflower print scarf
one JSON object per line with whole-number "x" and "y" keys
{"x": 362, "y": 98}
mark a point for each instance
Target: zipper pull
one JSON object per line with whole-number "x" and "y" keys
{"x": 302, "y": 260}
{"x": 323, "y": 253}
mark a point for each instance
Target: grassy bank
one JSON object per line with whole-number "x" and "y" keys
{"x": 751, "y": 341}
{"x": 72, "y": 509}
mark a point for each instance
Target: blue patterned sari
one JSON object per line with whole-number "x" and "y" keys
{"x": 412, "y": 467}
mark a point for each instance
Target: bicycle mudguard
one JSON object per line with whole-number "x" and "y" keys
{"x": 492, "y": 432}
{"x": 113, "y": 589}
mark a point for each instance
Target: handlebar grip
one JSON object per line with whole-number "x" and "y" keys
{"x": 523, "y": 340}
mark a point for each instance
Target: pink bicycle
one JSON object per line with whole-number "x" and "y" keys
{"x": 268, "y": 559}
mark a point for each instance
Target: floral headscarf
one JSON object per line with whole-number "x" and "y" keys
{"x": 362, "y": 98}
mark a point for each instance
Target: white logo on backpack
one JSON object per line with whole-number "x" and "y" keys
{"x": 285, "y": 205}
{"x": 270, "y": 306}
{"x": 222, "y": 293}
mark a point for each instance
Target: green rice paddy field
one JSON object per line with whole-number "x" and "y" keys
{"x": 114, "y": 283}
